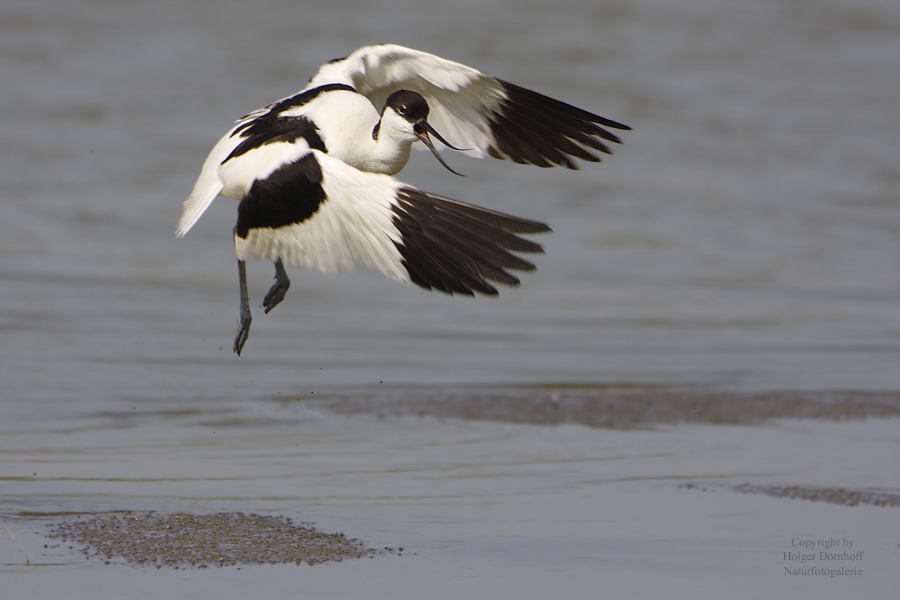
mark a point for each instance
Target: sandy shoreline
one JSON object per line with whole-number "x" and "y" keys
{"x": 185, "y": 541}
{"x": 620, "y": 409}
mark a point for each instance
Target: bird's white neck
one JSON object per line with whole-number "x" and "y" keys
{"x": 355, "y": 133}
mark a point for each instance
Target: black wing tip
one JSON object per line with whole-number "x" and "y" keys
{"x": 520, "y": 94}
{"x": 613, "y": 124}
{"x": 531, "y": 128}
{"x": 458, "y": 248}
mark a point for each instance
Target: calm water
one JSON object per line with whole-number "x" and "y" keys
{"x": 746, "y": 236}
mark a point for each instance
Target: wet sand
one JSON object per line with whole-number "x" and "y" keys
{"x": 623, "y": 409}
{"x": 196, "y": 541}
{"x": 839, "y": 496}
{"x": 657, "y": 506}
{"x": 184, "y": 541}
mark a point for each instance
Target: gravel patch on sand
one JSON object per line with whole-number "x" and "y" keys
{"x": 199, "y": 541}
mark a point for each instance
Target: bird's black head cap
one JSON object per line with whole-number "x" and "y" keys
{"x": 409, "y": 105}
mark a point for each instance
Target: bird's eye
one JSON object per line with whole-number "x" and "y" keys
{"x": 402, "y": 109}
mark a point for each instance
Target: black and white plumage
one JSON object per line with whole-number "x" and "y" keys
{"x": 314, "y": 173}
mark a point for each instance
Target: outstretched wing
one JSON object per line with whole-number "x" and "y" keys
{"x": 474, "y": 110}
{"x": 318, "y": 213}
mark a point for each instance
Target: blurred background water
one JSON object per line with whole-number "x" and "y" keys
{"x": 745, "y": 236}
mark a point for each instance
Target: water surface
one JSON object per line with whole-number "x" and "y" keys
{"x": 744, "y": 238}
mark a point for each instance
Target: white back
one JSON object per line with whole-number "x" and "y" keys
{"x": 460, "y": 97}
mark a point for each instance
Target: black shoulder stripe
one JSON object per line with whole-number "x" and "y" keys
{"x": 290, "y": 195}
{"x": 294, "y": 101}
{"x": 270, "y": 126}
{"x": 268, "y": 130}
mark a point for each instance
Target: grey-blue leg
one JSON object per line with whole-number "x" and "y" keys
{"x": 278, "y": 289}
{"x": 243, "y": 326}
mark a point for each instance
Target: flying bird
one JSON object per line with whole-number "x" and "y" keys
{"x": 313, "y": 173}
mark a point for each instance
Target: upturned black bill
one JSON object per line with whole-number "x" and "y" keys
{"x": 422, "y": 129}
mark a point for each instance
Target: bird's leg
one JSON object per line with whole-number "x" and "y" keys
{"x": 278, "y": 289}
{"x": 243, "y": 326}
